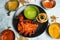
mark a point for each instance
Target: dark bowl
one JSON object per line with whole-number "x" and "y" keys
{"x": 41, "y": 26}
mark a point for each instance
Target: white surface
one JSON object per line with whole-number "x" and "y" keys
{"x": 7, "y": 21}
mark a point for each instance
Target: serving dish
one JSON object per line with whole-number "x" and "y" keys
{"x": 7, "y": 34}
{"x": 48, "y": 4}
{"x": 41, "y": 26}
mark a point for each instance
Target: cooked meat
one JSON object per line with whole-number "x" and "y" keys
{"x": 26, "y": 26}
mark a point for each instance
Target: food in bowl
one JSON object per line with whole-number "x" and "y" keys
{"x": 42, "y": 17}
{"x": 31, "y": 12}
{"x": 26, "y": 27}
{"x": 8, "y": 35}
{"x": 54, "y": 30}
{"x": 12, "y": 5}
{"x": 48, "y": 3}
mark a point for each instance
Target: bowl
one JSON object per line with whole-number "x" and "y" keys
{"x": 41, "y": 26}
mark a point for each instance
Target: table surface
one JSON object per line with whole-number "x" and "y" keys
{"x": 6, "y": 21}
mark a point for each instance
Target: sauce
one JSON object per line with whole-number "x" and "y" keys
{"x": 48, "y": 4}
{"x": 8, "y": 35}
{"x": 12, "y": 5}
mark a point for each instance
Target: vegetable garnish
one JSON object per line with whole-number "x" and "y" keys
{"x": 42, "y": 17}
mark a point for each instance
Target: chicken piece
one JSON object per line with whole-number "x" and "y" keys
{"x": 19, "y": 27}
{"x": 26, "y": 26}
{"x": 21, "y": 18}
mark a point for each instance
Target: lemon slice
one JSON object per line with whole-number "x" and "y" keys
{"x": 54, "y": 30}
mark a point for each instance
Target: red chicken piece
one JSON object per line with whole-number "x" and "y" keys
{"x": 26, "y": 26}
